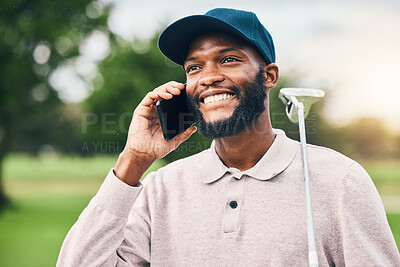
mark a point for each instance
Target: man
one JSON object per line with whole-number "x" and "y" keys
{"x": 241, "y": 202}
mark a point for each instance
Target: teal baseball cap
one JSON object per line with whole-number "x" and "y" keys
{"x": 175, "y": 39}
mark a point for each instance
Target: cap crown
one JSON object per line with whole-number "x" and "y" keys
{"x": 175, "y": 39}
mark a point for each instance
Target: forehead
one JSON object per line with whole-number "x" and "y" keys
{"x": 218, "y": 40}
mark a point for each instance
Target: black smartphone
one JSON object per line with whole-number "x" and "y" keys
{"x": 175, "y": 115}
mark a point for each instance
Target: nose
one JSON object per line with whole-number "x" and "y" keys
{"x": 210, "y": 76}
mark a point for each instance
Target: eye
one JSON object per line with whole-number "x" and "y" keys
{"x": 192, "y": 68}
{"x": 230, "y": 59}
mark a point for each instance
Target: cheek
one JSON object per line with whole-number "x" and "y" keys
{"x": 243, "y": 77}
{"x": 241, "y": 82}
{"x": 191, "y": 96}
{"x": 190, "y": 89}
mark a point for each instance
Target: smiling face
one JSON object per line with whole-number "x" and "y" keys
{"x": 225, "y": 83}
{"x": 214, "y": 63}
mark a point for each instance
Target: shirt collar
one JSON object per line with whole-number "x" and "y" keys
{"x": 278, "y": 157}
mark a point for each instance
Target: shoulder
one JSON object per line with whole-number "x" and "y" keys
{"x": 328, "y": 159}
{"x": 336, "y": 167}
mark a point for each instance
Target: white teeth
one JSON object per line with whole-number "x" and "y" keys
{"x": 216, "y": 98}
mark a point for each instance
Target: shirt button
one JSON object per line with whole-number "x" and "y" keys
{"x": 233, "y": 204}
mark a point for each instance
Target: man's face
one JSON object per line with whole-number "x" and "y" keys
{"x": 225, "y": 84}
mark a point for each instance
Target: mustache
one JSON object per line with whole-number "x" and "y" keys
{"x": 234, "y": 89}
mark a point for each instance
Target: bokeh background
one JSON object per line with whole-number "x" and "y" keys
{"x": 72, "y": 72}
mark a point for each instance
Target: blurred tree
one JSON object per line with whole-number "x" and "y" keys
{"x": 36, "y": 37}
{"x": 396, "y": 145}
{"x": 368, "y": 138}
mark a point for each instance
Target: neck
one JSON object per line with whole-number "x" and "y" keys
{"x": 245, "y": 149}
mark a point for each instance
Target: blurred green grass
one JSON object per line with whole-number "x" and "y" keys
{"x": 49, "y": 193}
{"x": 21, "y": 167}
{"x": 33, "y": 229}
{"x": 386, "y": 176}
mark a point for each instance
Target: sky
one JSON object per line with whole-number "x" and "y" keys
{"x": 348, "y": 48}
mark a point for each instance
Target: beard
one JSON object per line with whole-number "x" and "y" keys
{"x": 251, "y": 105}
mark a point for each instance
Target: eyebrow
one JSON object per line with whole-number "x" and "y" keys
{"x": 189, "y": 59}
{"x": 227, "y": 50}
{"x": 219, "y": 52}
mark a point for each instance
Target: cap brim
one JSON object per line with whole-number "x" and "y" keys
{"x": 174, "y": 40}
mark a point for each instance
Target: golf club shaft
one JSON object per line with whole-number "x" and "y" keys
{"x": 312, "y": 249}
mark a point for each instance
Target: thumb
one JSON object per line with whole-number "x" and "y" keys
{"x": 185, "y": 135}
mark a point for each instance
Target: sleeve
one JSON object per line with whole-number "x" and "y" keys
{"x": 113, "y": 230}
{"x": 367, "y": 238}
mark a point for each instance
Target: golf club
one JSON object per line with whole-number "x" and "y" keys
{"x": 298, "y": 102}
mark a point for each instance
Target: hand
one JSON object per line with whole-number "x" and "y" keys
{"x": 145, "y": 141}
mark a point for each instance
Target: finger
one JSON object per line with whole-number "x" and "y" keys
{"x": 166, "y": 95}
{"x": 185, "y": 135}
{"x": 173, "y": 90}
{"x": 180, "y": 86}
{"x": 152, "y": 97}
{"x": 166, "y": 91}
{"x": 177, "y": 85}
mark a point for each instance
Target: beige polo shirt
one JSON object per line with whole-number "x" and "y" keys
{"x": 198, "y": 212}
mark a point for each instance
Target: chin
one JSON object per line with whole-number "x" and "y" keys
{"x": 215, "y": 118}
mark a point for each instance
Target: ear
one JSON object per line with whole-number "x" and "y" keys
{"x": 271, "y": 73}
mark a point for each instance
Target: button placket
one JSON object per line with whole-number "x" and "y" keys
{"x": 233, "y": 204}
